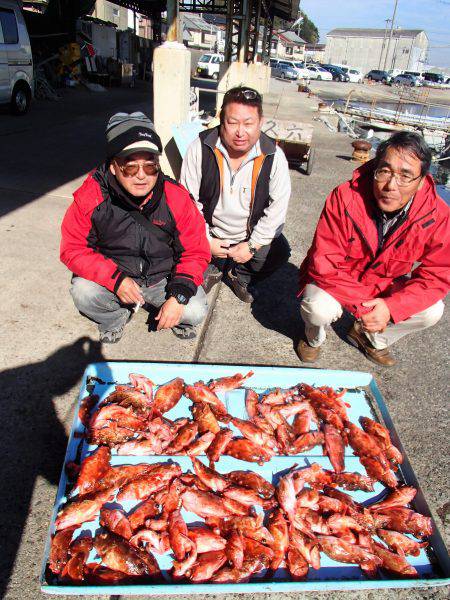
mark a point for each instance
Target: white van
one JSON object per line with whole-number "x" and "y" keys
{"x": 209, "y": 64}
{"x": 16, "y": 63}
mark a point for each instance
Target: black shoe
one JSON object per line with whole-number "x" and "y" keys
{"x": 240, "y": 290}
{"x": 212, "y": 276}
{"x": 184, "y": 333}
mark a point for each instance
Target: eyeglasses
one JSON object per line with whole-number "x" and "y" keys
{"x": 246, "y": 93}
{"x": 131, "y": 169}
{"x": 383, "y": 175}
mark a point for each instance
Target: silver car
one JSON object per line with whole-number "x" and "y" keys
{"x": 406, "y": 79}
{"x": 284, "y": 72}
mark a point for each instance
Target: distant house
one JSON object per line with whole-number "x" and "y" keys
{"x": 287, "y": 44}
{"x": 200, "y": 34}
{"x": 367, "y": 49}
{"x": 315, "y": 53}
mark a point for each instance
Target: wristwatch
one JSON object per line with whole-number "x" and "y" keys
{"x": 180, "y": 298}
{"x": 251, "y": 247}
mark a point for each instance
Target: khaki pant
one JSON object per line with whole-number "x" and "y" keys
{"x": 319, "y": 309}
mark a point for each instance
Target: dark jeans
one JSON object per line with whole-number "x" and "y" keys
{"x": 265, "y": 262}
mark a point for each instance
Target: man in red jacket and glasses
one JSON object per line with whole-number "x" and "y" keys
{"x": 381, "y": 251}
{"x": 132, "y": 236}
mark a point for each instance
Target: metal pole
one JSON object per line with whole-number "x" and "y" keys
{"x": 256, "y": 32}
{"x": 390, "y": 35}
{"x": 173, "y": 18}
{"x": 243, "y": 32}
{"x": 384, "y": 43}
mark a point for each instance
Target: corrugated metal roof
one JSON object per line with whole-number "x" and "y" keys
{"x": 292, "y": 37}
{"x": 197, "y": 24}
{"x": 374, "y": 33}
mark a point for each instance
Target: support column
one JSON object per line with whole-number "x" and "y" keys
{"x": 171, "y": 87}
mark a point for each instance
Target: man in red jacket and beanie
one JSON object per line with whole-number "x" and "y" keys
{"x": 381, "y": 251}
{"x": 132, "y": 236}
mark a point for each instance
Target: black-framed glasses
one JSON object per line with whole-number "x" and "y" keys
{"x": 384, "y": 174}
{"x": 246, "y": 93}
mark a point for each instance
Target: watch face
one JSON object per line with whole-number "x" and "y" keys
{"x": 181, "y": 299}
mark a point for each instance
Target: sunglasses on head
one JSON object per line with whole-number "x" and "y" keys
{"x": 246, "y": 93}
{"x": 131, "y": 169}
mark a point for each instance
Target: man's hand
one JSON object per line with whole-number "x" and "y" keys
{"x": 129, "y": 292}
{"x": 219, "y": 248}
{"x": 377, "y": 319}
{"x": 169, "y": 314}
{"x": 240, "y": 253}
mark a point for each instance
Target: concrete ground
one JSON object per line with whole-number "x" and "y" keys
{"x": 46, "y": 345}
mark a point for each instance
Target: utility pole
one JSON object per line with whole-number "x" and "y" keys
{"x": 390, "y": 35}
{"x": 384, "y": 42}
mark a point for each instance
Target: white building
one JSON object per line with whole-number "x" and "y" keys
{"x": 367, "y": 49}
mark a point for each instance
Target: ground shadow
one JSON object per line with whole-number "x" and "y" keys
{"x": 344, "y": 157}
{"x": 277, "y": 306}
{"x": 33, "y": 439}
{"x": 342, "y": 326}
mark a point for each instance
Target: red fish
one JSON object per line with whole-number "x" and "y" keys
{"x": 93, "y": 468}
{"x": 244, "y": 449}
{"x": 168, "y": 395}
{"x": 378, "y": 470}
{"x": 256, "y": 435}
{"x": 383, "y": 437}
{"x": 204, "y": 417}
{"x": 59, "y": 550}
{"x": 353, "y": 481}
{"x": 83, "y": 510}
{"x": 218, "y": 445}
{"x": 307, "y": 548}
{"x": 143, "y": 384}
{"x": 117, "y": 554}
{"x": 206, "y": 540}
{"x": 342, "y": 551}
{"x": 79, "y": 552}
{"x": 234, "y": 550}
{"x": 86, "y": 405}
{"x": 155, "y": 542}
{"x": 204, "y": 504}
{"x": 400, "y": 543}
{"x": 225, "y": 384}
{"x": 178, "y": 535}
{"x": 297, "y": 565}
{"x": 184, "y": 437}
{"x": 394, "y": 562}
{"x": 206, "y": 565}
{"x": 278, "y": 527}
{"x": 399, "y": 497}
{"x": 116, "y": 521}
{"x": 212, "y": 479}
{"x": 201, "y": 445}
{"x": 148, "y": 447}
{"x": 247, "y": 497}
{"x": 307, "y": 441}
{"x": 251, "y": 404}
{"x": 199, "y": 392}
{"x": 147, "y": 509}
{"x": 254, "y": 481}
{"x": 335, "y": 447}
{"x": 404, "y": 520}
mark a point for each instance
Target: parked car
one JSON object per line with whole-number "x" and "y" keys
{"x": 434, "y": 77}
{"x": 377, "y": 75}
{"x": 394, "y": 72}
{"x": 319, "y": 73}
{"x": 284, "y": 71}
{"x": 336, "y": 73}
{"x": 406, "y": 79}
{"x": 209, "y": 65}
{"x": 416, "y": 74}
{"x": 355, "y": 75}
{"x": 16, "y": 63}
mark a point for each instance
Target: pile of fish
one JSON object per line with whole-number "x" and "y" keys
{"x": 252, "y": 527}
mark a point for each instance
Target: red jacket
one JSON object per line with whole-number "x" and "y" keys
{"x": 343, "y": 258}
{"x": 102, "y": 241}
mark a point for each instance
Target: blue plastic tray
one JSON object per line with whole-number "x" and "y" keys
{"x": 433, "y": 565}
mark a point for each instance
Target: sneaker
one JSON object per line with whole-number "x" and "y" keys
{"x": 357, "y": 338}
{"x": 239, "y": 289}
{"x": 111, "y": 337}
{"x": 212, "y": 276}
{"x": 307, "y": 353}
{"x": 184, "y": 333}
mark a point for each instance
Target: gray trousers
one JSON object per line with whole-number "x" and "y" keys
{"x": 104, "y": 307}
{"x": 319, "y": 309}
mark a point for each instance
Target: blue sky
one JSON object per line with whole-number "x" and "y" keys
{"x": 433, "y": 16}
